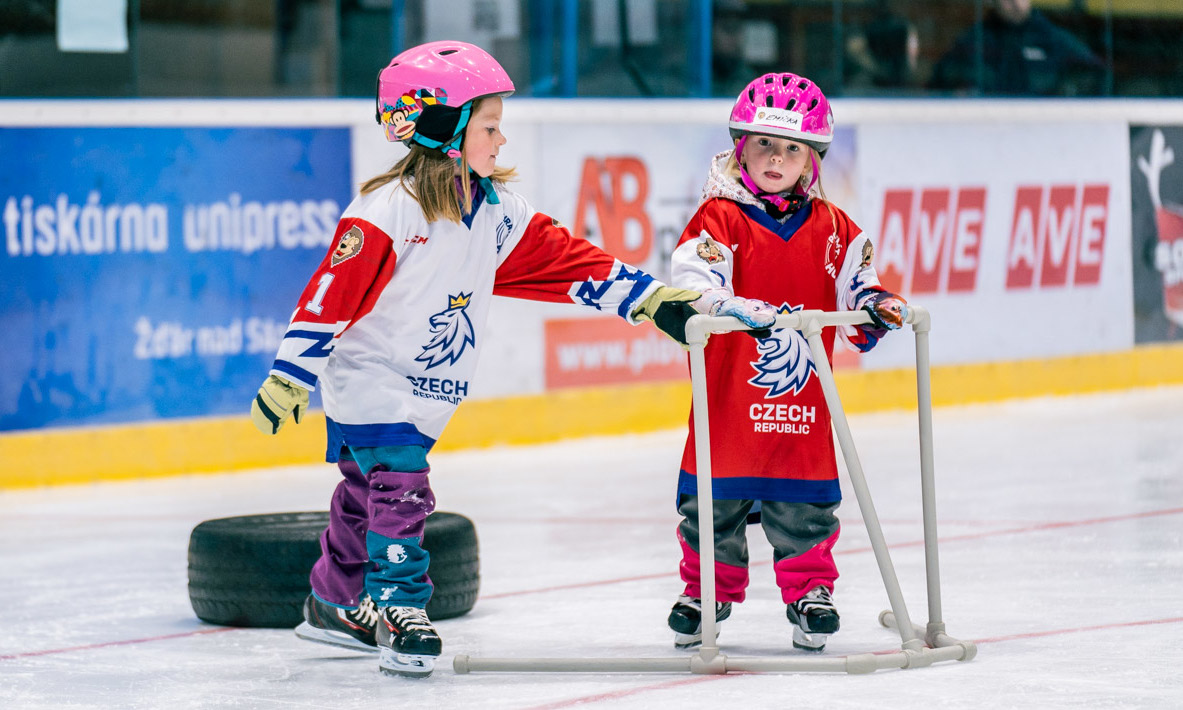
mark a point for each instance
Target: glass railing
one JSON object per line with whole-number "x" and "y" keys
{"x": 563, "y": 48}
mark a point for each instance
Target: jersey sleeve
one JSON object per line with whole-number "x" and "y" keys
{"x": 856, "y": 281}
{"x": 705, "y": 255}
{"x": 343, "y": 289}
{"x": 544, "y": 262}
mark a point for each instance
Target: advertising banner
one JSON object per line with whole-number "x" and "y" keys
{"x": 1156, "y": 198}
{"x": 150, "y": 272}
{"x": 1015, "y": 237}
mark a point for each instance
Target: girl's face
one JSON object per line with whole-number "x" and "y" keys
{"x": 482, "y": 137}
{"x": 775, "y": 164}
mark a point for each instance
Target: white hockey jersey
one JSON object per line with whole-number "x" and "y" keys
{"x": 390, "y": 325}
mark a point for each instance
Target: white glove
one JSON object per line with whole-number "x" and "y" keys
{"x": 752, "y": 312}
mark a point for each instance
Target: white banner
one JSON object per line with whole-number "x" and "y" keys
{"x": 1016, "y": 236}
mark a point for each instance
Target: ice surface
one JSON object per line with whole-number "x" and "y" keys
{"x": 1062, "y": 556}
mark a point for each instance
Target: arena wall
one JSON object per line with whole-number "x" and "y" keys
{"x": 154, "y": 251}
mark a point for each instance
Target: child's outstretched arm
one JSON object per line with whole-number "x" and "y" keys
{"x": 546, "y": 263}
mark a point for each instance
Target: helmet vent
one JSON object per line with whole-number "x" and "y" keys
{"x": 803, "y": 85}
{"x": 768, "y": 101}
{"x": 769, "y": 79}
{"x": 784, "y": 80}
{"x": 752, "y": 94}
{"x": 813, "y": 104}
{"x": 446, "y": 52}
{"x": 792, "y": 103}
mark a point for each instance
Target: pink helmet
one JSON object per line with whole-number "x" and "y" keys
{"x": 784, "y": 105}
{"x": 425, "y": 96}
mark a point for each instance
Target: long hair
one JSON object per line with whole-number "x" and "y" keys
{"x": 430, "y": 177}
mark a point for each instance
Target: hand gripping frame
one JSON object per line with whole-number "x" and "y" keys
{"x": 920, "y": 646}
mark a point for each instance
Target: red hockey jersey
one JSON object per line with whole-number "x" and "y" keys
{"x": 770, "y": 427}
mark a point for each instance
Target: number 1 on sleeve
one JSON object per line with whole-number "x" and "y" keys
{"x": 314, "y": 306}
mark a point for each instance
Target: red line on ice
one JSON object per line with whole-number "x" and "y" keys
{"x": 1039, "y": 527}
{"x": 955, "y": 538}
{"x": 107, "y": 644}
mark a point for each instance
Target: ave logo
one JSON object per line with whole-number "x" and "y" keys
{"x": 930, "y": 239}
{"x": 1057, "y": 236}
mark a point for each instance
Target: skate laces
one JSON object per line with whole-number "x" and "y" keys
{"x": 818, "y": 599}
{"x": 410, "y": 618}
{"x": 366, "y": 613}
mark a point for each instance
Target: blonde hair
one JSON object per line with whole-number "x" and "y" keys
{"x": 816, "y": 192}
{"x": 430, "y": 177}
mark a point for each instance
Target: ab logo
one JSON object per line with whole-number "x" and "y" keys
{"x": 617, "y": 187}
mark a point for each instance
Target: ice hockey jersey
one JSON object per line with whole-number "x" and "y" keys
{"x": 390, "y": 325}
{"x": 770, "y": 427}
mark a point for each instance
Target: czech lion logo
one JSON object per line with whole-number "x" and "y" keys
{"x": 451, "y": 332}
{"x": 785, "y": 362}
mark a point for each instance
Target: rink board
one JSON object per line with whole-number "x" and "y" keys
{"x": 1011, "y": 224}
{"x": 211, "y": 445}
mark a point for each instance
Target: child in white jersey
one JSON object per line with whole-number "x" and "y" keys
{"x": 764, "y": 232}
{"x": 390, "y": 325}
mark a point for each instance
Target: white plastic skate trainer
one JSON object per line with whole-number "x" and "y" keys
{"x": 920, "y": 646}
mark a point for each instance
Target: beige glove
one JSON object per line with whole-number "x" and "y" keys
{"x": 277, "y": 400}
{"x": 669, "y": 308}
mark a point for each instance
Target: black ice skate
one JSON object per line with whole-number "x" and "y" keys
{"x": 347, "y": 628}
{"x": 686, "y": 620}
{"x": 814, "y": 618}
{"x": 407, "y": 642}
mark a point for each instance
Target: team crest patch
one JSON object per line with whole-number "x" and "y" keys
{"x": 709, "y": 251}
{"x": 451, "y": 333}
{"x": 349, "y": 246}
{"x": 785, "y": 362}
{"x": 868, "y": 254}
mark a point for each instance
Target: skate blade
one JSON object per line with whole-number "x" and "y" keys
{"x": 683, "y": 641}
{"x": 404, "y": 664}
{"x": 339, "y": 639}
{"x": 814, "y": 643}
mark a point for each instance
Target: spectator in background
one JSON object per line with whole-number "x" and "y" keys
{"x": 730, "y": 71}
{"x": 1024, "y": 54}
{"x": 882, "y": 57}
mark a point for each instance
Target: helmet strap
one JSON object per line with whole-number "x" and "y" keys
{"x": 453, "y": 149}
{"x": 778, "y": 204}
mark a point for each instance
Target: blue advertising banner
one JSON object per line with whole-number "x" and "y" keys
{"x": 150, "y": 273}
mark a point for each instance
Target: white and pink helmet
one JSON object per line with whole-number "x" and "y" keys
{"x": 425, "y": 95}
{"x": 784, "y": 105}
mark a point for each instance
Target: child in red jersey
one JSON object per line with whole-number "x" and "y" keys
{"x": 764, "y": 240}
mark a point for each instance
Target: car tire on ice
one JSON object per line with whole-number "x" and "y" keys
{"x": 252, "y": 570}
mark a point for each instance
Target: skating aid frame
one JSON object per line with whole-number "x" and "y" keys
{"x": 920, "y": 646}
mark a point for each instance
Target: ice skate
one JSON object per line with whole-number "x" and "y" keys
{"x": 814, "y": 618}
{"x": 407, "y": 642}
{"x": 686, "y": 620}
{"x": 347, "y": 628}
